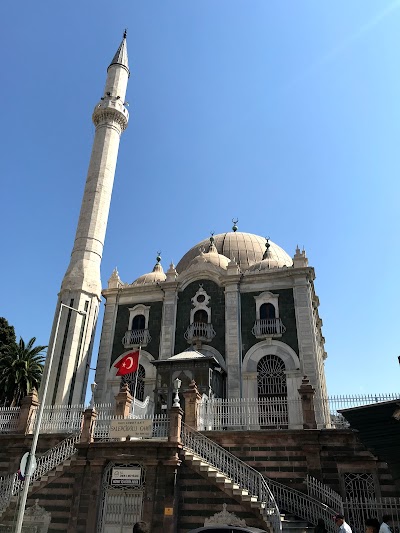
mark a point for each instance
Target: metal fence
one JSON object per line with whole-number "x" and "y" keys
{"x": 357, "y": 511}
{"x": 9, "y": 419}
{"x": 234, "y": 414}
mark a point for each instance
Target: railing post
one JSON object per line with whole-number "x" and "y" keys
{"x": 192, "y": 401}
{"x": 175, "y": 424}
{"x": 123, "y": 401}
{"x": 88, "y": 424}
{"x": 307, "y": 393}
{"x": 29, "y": 405}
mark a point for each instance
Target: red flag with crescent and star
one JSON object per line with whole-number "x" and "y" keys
{"x": 128, "y": 364}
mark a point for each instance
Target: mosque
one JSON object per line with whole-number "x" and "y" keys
{"x": 230, "y": 375}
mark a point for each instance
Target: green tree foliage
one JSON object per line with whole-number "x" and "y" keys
{"x": 7, "y": 335}
{"x": 21, "y": 369}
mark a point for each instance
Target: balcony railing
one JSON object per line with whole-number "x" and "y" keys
{"x": 268, "y": 326}
{"x": 136, "y": 337}
{"x": 199, "y": 332}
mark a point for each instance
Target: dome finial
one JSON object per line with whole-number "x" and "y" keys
{"x": 212, "y": 247}
{"x": 267, "y": 247}
{"x": 235, "y": 221}
{"x": 158, "y": 258}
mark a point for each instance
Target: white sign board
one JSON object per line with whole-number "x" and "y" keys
{"x": 22, "y": 465}
{"x": 126, "y": 476}
{"x": 131, "y": 427}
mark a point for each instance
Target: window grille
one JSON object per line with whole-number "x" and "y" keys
{"x": 271, "y": 378}
{"x": 359, "y": 486}
{"x": 272, "y": 392}
{"x": 130, "y": 380}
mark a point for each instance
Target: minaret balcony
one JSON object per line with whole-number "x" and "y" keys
{"x": 199, "y": 332}
{"x": 136, "y": 337}
{"x": 268, "y": 327}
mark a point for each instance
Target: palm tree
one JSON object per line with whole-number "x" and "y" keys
{"x": 21, "y": 369}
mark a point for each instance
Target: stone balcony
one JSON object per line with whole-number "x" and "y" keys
{"x": 199, "y": 332}
{"x": 268, "y": 327}
{"x": 136, "y": 337}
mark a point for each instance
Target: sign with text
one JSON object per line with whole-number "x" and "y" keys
{"x": 126, "y": 476}
{"x": 131, "y": 427}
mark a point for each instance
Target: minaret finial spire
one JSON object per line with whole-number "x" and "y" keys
{"x": 121, "y": 55}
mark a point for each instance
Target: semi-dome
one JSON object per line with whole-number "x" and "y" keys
{"x": 211, "y": 255}
{"x": 246, "y": 248}
{"x": 152, "y": 277}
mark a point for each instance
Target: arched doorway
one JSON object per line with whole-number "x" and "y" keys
{"x": 272, "y": 392}
{"x": 121, "y": 503}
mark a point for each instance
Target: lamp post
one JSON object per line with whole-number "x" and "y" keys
{"x": 28, "y": 473}
{"x": 177, "y": 385}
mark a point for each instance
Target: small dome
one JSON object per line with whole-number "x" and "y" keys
{"x": 269, "y": 260}
{"x": 151, "y": 277}
{"x": 212, "y": 257}
{"x": 247, "y": 250}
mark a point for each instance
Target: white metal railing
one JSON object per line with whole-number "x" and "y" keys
{"x": 245, "y": 413}
{"x": 60, "y": 419}
{"x": 199, "y": 331}
{"x": 136, "y": 337}
{"x": 233, "y": 468}
{"x": 12, "y": 485}
{"x": 268, "y": 326}
{"x": 324, "y": 494}
{"x": 357, "y": 511}
{"x": 9, "y": 419}
{"x": 334, "y": 404}
{"x": 282, "y": 496}
{"x": 217, "y": 414}
{"x": 302, "y": 505}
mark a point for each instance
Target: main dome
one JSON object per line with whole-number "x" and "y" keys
{"x": 246, "y": 248}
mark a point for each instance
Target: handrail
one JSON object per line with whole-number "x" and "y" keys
{"x": 265, "y": 489}
{"x": 11, "y": 485}
{"x": 239, "y": 472}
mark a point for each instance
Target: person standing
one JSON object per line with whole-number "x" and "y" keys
{"x": 343, "y": 525}
{"x": 385, "y": 527}
{"x": 320, "y": 527}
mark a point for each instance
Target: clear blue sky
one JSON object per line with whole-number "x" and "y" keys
{"x": 284, "y": 114}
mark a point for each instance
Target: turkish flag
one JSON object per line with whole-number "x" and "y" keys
{"x": 128, "y": 364}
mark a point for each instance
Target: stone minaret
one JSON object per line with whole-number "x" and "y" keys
{"x": 81, "y": 286}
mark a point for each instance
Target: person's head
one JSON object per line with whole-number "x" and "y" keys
{"x": 386, "y": 518}
{"x": 141, "y": 527}
{"x": 339, "y": 519}
{"x": 371, "y": 525}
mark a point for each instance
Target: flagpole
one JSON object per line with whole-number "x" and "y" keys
{"x": 137, "y": 373}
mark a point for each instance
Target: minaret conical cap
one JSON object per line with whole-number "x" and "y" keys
{"x": 121, "y": 55}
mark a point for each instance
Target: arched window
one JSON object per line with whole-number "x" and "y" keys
{"x": 267, "y": 311}
{"x": 138, "y": 322}
{"x": 136, "y": 388}
{"x": 272, "y": 392}
{"x": 201, "y": 316}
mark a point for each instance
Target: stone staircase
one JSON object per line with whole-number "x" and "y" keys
{"x": 51, "y": 465}
{"x": 230, "y": 488}
{"x": 242, "y": 482}
{"x": 7, "y": 517}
